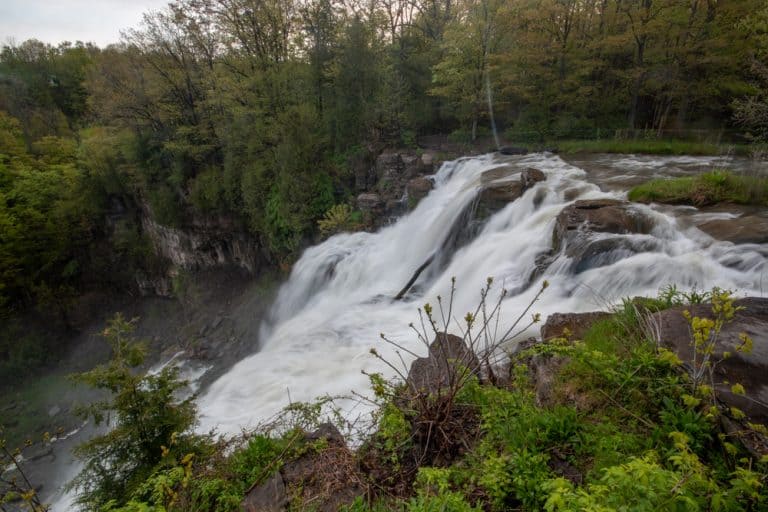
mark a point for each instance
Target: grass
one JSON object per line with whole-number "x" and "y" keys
{"x": 651, "y": 147}
{"x": 705, "y": 189}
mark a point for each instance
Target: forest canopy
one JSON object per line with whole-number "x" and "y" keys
{"x": 254, "y": 110}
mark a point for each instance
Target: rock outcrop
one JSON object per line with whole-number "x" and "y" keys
{"x": 748, "y": 369}
{"x": 576, "y": 324}
{"x": 395, "y": 181}
{"x": 203, "y": 245}
{"x": 583, "y": 231}
{"x": 417, "y": 189}
{"x": 502, "y": 185}
{"x": 325, "y": 478}
{"x": 449, "y": 359}
{"x": 747, "y": 229}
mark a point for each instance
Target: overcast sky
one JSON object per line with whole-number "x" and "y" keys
{"x": 54, "y": 21}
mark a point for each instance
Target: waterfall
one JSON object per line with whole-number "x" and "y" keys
{"x": 339, "y": 297}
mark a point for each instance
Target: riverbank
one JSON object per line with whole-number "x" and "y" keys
{"x": 596, "y": 413}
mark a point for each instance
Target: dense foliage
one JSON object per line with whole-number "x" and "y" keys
{"x": 622, "y": 426}
{"x": 146, "y": 422}
{"x": 259, "y": 113}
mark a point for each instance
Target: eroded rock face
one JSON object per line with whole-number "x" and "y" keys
{"x": 583, "y": 231}
{"x": 748, "y": 229}
{"x": 200, "y": 247}
{"x": 577, "y": 324}
{"x": 449, "y": 357}
{"x": 750, "y": 370}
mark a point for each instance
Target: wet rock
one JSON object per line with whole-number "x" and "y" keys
{"x": 417, "y": 189}
{"x": 597, "y": 216}
{"x": 577, "y": 324}
{"x": 531, "y": 176}
{"x": 513, "y": 150}
{"x": 496, "y": 196}
{"x": 40, "y": 453}
{"x": 582, "y": 230}
{"x": 750, "y": 370}
{"x": 504, "y": 172}
{"x": 270, "y": 496}
{"x": 501, "y": 188}
{"x": 448, "y": 358}
{"x": 748, "y": 229}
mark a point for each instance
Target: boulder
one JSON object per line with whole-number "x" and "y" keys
{"x": 504, "y": 172}
{"x": 448, "y": 358}
{"x": 497, "y": 195}
{"x": 748, "y": 369}
{"x": 748, "y": 229}
{"x": 325, "y": 477}
{"x": 417, "y": 189}
{"x": 577, "y": 324}
{"x": 267, "y": 497}
{"x": 499, "y": 187}
{"x": 531, "y": 176}
{"x": 577, "y": 225}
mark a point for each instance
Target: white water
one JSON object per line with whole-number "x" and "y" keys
{"x": 339, "y": 296}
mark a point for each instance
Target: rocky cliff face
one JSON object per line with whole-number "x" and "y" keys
{"x": 206, "y": 245}
{"x": 200, "y": 244}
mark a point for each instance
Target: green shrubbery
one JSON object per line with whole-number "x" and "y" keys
{"x": 704, "y": 189}
{"x": 616, "y": 428}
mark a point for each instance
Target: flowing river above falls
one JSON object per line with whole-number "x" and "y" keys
{"x": 340, "y": 295}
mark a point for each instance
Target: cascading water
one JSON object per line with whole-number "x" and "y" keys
{"x": 340, "y": 295}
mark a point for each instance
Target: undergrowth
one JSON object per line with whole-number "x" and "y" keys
{"x": 704, "y": 189}
{"x": 616, "y": 429}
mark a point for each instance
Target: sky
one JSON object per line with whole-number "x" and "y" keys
{"x": 54, "y": 21}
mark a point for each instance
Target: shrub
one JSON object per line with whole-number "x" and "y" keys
{"x": 148, "y": 422}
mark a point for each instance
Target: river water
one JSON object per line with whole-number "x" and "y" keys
{"x": 340, "y": 294}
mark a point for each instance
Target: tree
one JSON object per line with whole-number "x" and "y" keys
{"x": 147, "y": 422}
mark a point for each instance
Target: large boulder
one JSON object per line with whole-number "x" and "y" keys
{"x": 747, "y": 229}
{"x": 581, "y": 231}
{"x": 575, "y": 325}
{"x": 448, "y": 359}
{"x": 502, "y": 185}
{"x": 267, "y": 497}
{"x": 748, "y": 369}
